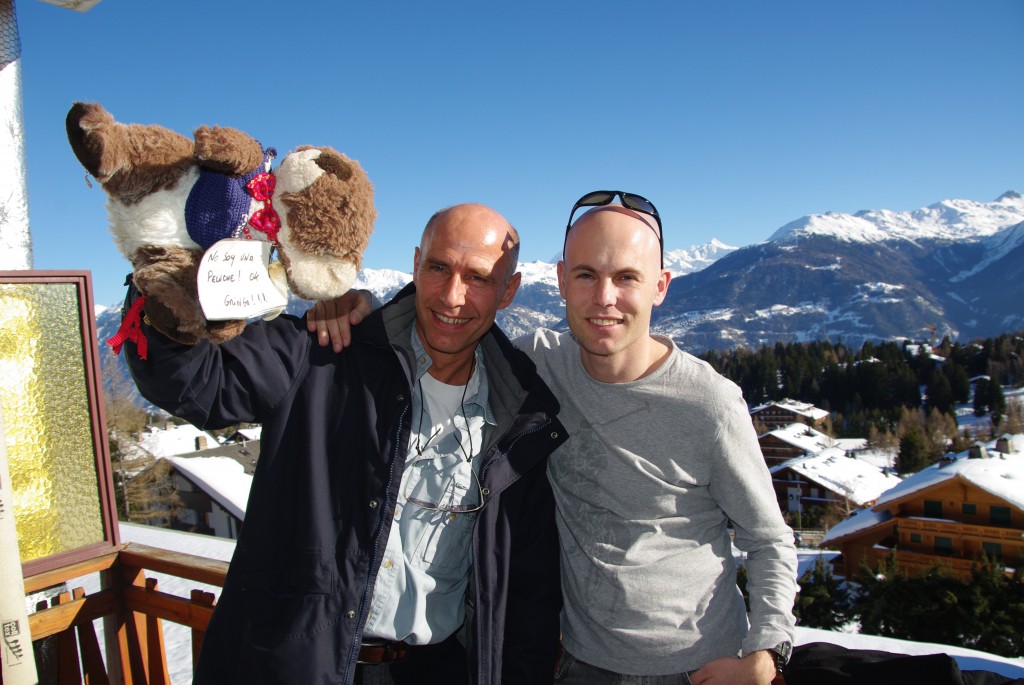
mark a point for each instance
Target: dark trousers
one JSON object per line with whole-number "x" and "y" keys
{"x": 442, "y": 664}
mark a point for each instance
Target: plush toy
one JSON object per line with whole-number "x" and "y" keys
{"x": 170, "y": 198}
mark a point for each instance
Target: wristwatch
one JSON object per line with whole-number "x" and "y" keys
{"x": 780, "y": 653}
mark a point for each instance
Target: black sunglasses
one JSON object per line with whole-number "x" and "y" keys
{"x": 637, "y": 203}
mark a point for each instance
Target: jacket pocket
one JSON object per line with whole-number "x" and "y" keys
{"x": 291, "y": 603}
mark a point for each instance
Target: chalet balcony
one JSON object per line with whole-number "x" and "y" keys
{"x": 958, "y": 529}
{"x": 915, "y": 561}
{"x": 131, "y": 606}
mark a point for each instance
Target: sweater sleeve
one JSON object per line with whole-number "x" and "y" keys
{"x": 213, "y": 386}
{"x": 742, "y": 486}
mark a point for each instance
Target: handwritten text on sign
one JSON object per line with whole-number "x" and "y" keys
{"x": 234, "y": 283}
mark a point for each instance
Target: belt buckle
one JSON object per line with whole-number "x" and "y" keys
{"x": 391, "y": 651}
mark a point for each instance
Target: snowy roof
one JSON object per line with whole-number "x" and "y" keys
{"x": 801, "y": 408}
{"x": 222, "y": 478}
{"x": 252, "y": 433}
{"x": 1001, "y": 475}
{"x": 850, "y": 477}
{"x": 860, "y": 520}
{"x": 172, "y": 440}
{"x": 882, "y": 457}
{"x": 812, "y": 441}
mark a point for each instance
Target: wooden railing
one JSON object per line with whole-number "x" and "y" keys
{"x": 133, "y": 605}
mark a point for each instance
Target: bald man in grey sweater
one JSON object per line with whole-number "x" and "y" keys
{"x": 662, "y": 456}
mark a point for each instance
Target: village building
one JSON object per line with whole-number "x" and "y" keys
{"x": 833, "y": 477}
{"x": 213, "y": 491}
{"x": 800, "y": 440}
{"x": 202, "y": 491}
{"x": 953, "y": 513}
{"x": 782, "y": 413}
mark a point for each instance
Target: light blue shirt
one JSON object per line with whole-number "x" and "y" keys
{"x": 420, "y": 588}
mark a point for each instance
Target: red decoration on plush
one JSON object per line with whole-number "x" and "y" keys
{"x": 266, "y": 220}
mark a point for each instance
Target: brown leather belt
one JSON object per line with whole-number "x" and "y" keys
{"x": 374, "y": 652}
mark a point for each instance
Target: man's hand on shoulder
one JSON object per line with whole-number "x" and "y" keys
{"x": 332, "y": 320}
{"x": 757, "y": 668}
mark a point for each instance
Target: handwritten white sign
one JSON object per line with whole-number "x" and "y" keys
{"x": 234, "y": 283}
{"x": 17, "y": 663}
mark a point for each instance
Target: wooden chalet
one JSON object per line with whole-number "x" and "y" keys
{"x": 953, "y": 513}
{"x": 782, "y": 413}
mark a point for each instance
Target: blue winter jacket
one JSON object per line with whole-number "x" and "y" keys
{"x": 335, "y": 436}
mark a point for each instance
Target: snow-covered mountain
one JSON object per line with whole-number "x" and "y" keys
{"x": 948, "y": 220}
{"x": 956, "y": 267}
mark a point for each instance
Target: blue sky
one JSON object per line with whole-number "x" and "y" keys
{"x": 734, "y": 117}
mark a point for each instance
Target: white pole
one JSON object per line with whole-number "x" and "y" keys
{"x": 15, "y": 239}
{"x": 18, "y": 665}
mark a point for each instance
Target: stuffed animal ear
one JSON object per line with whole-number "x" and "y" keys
{"x": 88, "y": 126}
{"x": 129, "y": 160}
{"x": 227, "y": 150}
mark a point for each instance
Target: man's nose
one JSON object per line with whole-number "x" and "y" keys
{"x": 604, "y": 292}
{"x": 454, "y": 294}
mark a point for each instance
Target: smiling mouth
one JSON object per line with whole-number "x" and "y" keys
{"x": 604, "y": 322}
{"x": 449, "y": 319}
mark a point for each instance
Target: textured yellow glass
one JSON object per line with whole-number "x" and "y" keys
{"x": 47, "y": 426}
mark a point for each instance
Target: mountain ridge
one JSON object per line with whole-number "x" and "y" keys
{"x": 953, "y": 268}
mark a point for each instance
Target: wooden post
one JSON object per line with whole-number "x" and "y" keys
{"x": 156, "y": 660}
{"x": 205, "y": 599}
{"x": 93, "y": 670}
{"x": 68, "y": 671}
{"x": 131, "y": 634}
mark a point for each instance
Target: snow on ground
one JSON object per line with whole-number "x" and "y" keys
{"x": 965, "y": 417}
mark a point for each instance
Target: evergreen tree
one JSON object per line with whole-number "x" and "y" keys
{"x": 913, "y": 455}
{"x": 940, "y": 393}
{"x": 824, "y": 601}
{"x": 959, "y": 383}
{"x": 741, "y": 583}
{"x": 994, "y": 620}
{"x": 924, "y": 607}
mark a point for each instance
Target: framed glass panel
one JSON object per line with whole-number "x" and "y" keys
{"x": 54, "y": 431}
{"x": 933, "y": 508}
{"x": 944, "y": 546}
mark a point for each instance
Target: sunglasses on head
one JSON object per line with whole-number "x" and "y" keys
{"x": 637, "y": 203}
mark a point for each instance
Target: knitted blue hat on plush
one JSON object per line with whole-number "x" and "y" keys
{"x": 219, "y": 205}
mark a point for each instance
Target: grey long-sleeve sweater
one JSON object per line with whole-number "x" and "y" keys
{"x": 645, "y": 487}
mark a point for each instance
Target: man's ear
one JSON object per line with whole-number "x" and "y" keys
{"x": 510, "y": 290}
{"x": 415, "y": 265}
{"x": 561, "y": 278}
{"x": 662, "y": 289}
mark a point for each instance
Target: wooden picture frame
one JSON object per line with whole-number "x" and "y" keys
{"x": 54, "y": 427}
